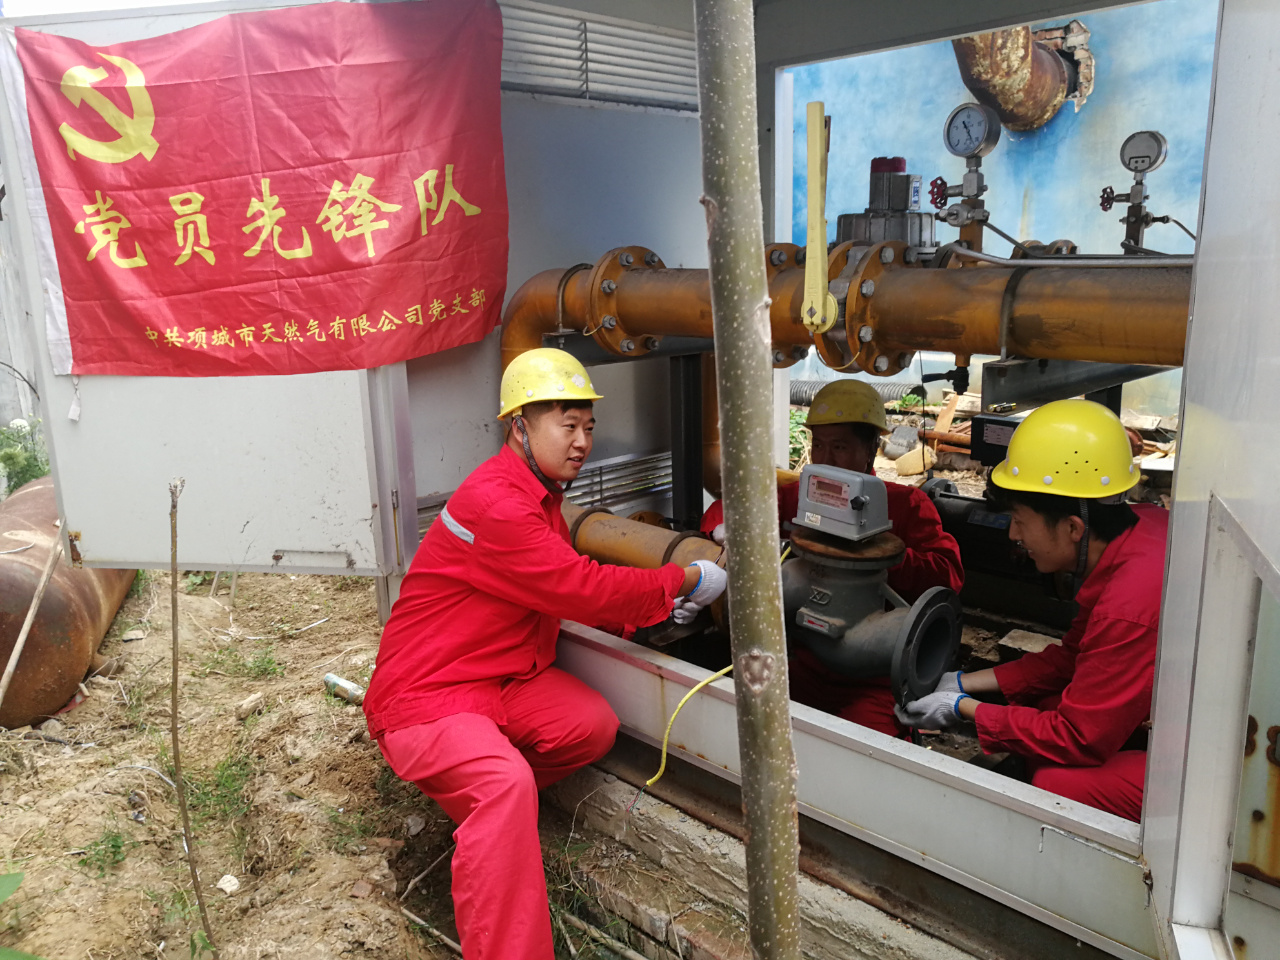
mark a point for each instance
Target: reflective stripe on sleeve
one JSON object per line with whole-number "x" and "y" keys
{"x": 457, "y": 529}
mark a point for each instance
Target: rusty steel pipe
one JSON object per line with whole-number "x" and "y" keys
{"x": 1105, "y": 314}
{"x": 607, "y": 538}
{"x": 74, "y": 616}
{"x": 1022, "y": 79}
{"x": 1112, "y": 313}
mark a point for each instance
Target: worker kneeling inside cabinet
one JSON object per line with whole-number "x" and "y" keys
{"x": 1078, "y": 712}
{"x": 847, "y": 420}
{"x": 465, "y": 702}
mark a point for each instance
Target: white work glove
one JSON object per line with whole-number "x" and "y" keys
{"x": 711, "y": 583}
{"x": 950, "y": 683}
{"x": 933, "y": 711}
{"x": 718, "y": 534}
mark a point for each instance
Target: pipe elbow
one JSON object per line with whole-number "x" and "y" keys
{"x": 1022, "y": 79}
{"x": 530, "y": 314}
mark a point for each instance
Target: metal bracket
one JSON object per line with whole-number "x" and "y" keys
{"x": 1018, "y": 383}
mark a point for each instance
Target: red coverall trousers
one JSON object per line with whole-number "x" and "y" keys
{"x": 486, "y": 777}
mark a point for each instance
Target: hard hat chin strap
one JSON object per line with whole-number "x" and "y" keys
{"x": 1082, "y": 557}
{"x": 519, "y": 423}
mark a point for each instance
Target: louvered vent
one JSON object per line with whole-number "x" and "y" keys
{"x": 551, "y": 50}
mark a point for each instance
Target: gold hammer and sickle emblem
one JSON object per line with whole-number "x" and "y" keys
{"x": 135, "y": 132}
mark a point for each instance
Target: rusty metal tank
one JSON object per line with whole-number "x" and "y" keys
{"x": 74, "y": 615}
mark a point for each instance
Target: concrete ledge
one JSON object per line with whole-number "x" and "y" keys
{"x": 694, "y": 914}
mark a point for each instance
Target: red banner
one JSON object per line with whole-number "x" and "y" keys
{"x": 315, "y": 188}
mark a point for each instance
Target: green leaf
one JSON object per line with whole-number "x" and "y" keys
{"x": 7, "y": 954}
{"x": 9, "y": 883}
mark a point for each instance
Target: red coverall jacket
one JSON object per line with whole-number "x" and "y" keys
{"x": 484, "y": 596}
{"x": 932, "y": 558}
{"x": 1095, "y": 689}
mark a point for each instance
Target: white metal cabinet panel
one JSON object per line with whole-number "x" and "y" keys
{"x": 1070, "y": 866}
{"x": 582, "y": 178}
{"x": 280, "y": 471}
{"x": 1225, "y": 526}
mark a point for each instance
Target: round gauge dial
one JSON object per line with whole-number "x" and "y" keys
{"x": 972, "y": 130}
{"x": 1143, "y": 151}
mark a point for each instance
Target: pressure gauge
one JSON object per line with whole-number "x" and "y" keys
{"x": 972, "y": 130}
{"x": 1143, "y": 151}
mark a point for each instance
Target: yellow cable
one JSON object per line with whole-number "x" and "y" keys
{"x": 662, "y": 768}
{"x": 666, "y": 737}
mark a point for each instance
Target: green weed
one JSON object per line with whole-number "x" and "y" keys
{"x": 9, "y": 883}
{"x": 23, "y": 456}
{"x": 350, "y": 828}
{"x": 177, "y": 907}
{"x": 195, "y": 579}
{"x": 229, "y": 660}
{"x": 105, "y": 853}
{"x": 222, "y": 793}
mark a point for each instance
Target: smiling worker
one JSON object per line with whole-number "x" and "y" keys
{"x": 465, "y": 702}
{"x": 1078, "y": 710}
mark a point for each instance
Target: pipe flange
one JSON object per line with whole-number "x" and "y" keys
{"x": 859, "y": 310}
{"x": 677, "y": 540}
{"x": 779, "y": 258}
{"x": 927, "y": 645}
{"x": 606, "y": 325}
{"x": 832, "y": 348}
{"x": 577, "y": 524}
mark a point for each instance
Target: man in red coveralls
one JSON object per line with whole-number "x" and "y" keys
{"x": 847, "y": 420}
{"x": 1078, "y": 712}
{"x": 465, "y": 702}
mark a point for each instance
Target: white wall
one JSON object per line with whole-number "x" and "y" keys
{"x": 581, "y": 179}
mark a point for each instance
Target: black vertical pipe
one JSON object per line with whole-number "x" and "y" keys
{"x": 686, "y": 440}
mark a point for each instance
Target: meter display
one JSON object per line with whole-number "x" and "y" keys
{"x": 1143, "y": 151}
{"x": 972, "y": 130}
{"x": 843, "y": 503}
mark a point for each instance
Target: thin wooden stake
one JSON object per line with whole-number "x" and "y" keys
{"x": 189, "y": 841}
{"x": 21, "y": 642}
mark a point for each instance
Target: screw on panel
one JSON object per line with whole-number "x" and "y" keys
{"x": 868, "y": 288}
{"x": 865, "y": 333}
{"x": 799, "y": 353}
{"x": 881, "y": 364}
{"x": 779, "y": 357}
{"x": 777, "y": 257}
{"x": 801, "y": 256}
{"x": 904, "y": 359}
{"x": 651, "y": 343}
{"x": 609, "y": 322}
{"x": 626, "y": 259}
{"x": 626, "y": 346}
{"x": 651, "y": 259}
{"x": 608, "y": 286}
{"x": 886, "y": 254}
{"x": 910, "y": 255}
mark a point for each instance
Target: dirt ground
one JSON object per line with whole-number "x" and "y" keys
{"x": 293, "y": 802}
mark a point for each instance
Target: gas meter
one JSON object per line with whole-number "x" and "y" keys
{"x": 836, "y": 595}
{"x": 843, "y": 503}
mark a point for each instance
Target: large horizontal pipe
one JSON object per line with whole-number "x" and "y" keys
{"x": 1103, "y": 314}
{"x": 607, "y": 538}
{"x": 1116, "y": 312}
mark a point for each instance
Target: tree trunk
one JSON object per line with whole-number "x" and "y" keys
{"x": 740, "y": 313}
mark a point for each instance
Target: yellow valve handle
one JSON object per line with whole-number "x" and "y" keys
{"x": 818, "y": 312}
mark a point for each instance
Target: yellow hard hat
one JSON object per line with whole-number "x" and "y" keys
{"x": 847, "y": 401}
{"x": 1071, "y": 448}
{"x": 540, "y": 375}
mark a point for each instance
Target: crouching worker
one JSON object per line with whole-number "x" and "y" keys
{"x": 847, "y": 420}
{"x": 465, "y": 702}
{"x": 1078, "y": 712}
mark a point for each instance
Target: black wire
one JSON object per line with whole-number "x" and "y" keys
{"x": 1184, "y": 229}
{"x": 18, "y": 375}
{"x": 1130, "y": 245}
{"x": 1000, "y": 233}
